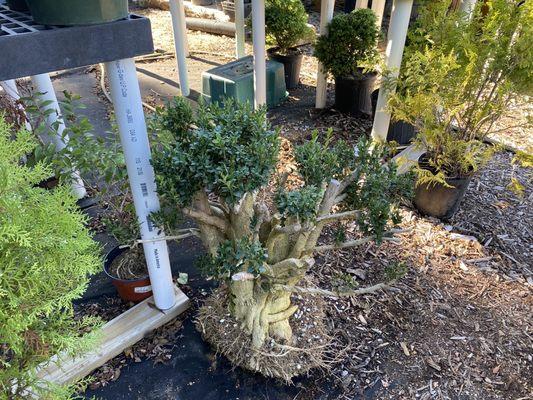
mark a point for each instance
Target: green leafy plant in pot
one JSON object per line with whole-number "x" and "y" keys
{"x": 285, "y": 27}
{"x": 458, "y": 81}
{"x": 349, "y": 53}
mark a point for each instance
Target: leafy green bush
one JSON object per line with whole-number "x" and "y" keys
{"x": 46, "y": 258}
{"x": 459, "y": 77}
{"x": 350, "y": 44}
{"x": 286, "y": 23}
{"x": 260, "y": 236}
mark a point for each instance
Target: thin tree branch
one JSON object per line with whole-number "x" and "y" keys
{"x": 329, "y": 293}
{"x": 203, "y": 218}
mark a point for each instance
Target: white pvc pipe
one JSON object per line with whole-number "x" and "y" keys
{"x": 127, "y": 103}
{"x": 258, "y": 26}
{"x": 179, "y": 29}
{"x": 10, "y": 87}
{"x": 361, "y": 4}
{"x": 378, "y": 6}
{"x": 239, "y": 29}
{"x": 43, "y": 86}
{"x": 399, "y": 24}
{"x": 326, "y": 14}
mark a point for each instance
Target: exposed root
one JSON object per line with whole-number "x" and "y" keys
{"x": 311, "y": 346}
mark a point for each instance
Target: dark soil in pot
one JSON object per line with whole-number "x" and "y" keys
{"x": 292, "y": 63}
{"x": 128, "y": 272}
{"x": 77, "y": 12}
{"x": 438, "y": 200}
{"x": 353, "y": 93}
{"x": 401, "y": 132}
{"x": 17, "y": 5}
{"x": 49, "y": 184}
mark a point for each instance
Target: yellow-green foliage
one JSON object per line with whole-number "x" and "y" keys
{"x": 459, "y": 77}
{"x": 46, "y": 258}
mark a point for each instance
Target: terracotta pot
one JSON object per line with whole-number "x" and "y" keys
{"x": 134, "y": 290}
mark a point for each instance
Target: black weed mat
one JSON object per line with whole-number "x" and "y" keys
{"x": 190, "y": 370}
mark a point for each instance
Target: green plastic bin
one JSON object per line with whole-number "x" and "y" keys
{"x": 236, "y": 80}
{"x": 77, "y": 12}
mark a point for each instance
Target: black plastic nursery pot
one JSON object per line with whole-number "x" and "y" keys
{"x": 353, "y": 93}
{"x": 437, "y": 200}
{"x": 292, "y": 63}
{"x": 202, "y": 2}
{"x": 17, "y": 5}
{"x": 77, "y": 12}
{"x": 400, "y": 131}
{"x": 134, "y": 290}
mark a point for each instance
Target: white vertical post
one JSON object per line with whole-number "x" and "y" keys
{"x": 239, "y": 28}
{"x": 361, "y": 4}
{"x": 43, "y": 85}
{"x": 10, "y": 87}
{"x": 326, "y": 14}
{"x": 399, "y": 24}
{"x": 258, "y": 26}
{"x": 467, "y": 6}
{"x": 126, "y": 97}
{"x": 378, "y": 6}
{"x": 179, "y": 29}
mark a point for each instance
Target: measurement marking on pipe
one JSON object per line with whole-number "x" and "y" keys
{"x": 144, "y": 189}
{"x": 150, "y": 224}
{"x": 156, "y": 256}
{"x": 129, "y": 116}
{"x": 140, "y": 171}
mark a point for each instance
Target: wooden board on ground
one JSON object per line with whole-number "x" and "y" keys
{"x": 115, "y": 336}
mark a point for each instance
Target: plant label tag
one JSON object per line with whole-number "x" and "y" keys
{"x": 143, "y": 289}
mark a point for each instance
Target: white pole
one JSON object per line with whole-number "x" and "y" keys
{"x": 239, "y": 28}
{"x": 361, "y": 4}
{"x": 467, "y": 6}
{"x": 378, "y": 6}
{"x": 399, "y": 24}
{"x": 180, "y": 39}
{"x": 258, "y": 26}
{"x": 43, "y": 85}
{"x": 10, "y": 87}
{"x": 326, "y": 14}
{"x": 127, "y": 103}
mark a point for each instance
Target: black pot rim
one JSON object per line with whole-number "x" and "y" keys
{"x": 110, "y": 256}
{"x": 362, "y": 76}
{"x": 295, "y": 52}
{"x": 448, "y": 178}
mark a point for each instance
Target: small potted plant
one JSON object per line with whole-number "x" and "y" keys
{"x": 349, "y": 53}
{"x": 77, "y": 12}
{"x": 285, "y": 27}
{"x": 456, "y": 83}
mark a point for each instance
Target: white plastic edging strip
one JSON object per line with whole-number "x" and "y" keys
{"x": 180, "y": 43}
{"x": 399, "y": 24}
{"x": 43, "y": 85}
{"x": 127, "y": 102}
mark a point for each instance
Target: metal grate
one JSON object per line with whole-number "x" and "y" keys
{"x": 16, "y": 23}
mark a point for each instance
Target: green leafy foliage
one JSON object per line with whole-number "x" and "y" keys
{"x": 350, "y": 44}
{"x": 233, "y": 257}
{"x": 321, "y": 162}
{"x": 231, "y": 151}
{"x": 286, "y": 23}
{"x": 99, "y": 160}
{"x": 301, "y": 203}
{"x": 46, "y": 258}
{"x": 459, "y": 77}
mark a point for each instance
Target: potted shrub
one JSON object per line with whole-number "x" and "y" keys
{"x": 46, "y": 259}
{"x": 349, "y": 53}
{"x": 77, "y": 12}
{"x": 458, "y": 79}
{"x": 285, "y": 27}
{"x": 261, "y": 239}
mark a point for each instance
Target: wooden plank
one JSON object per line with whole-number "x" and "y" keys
{"x": 115, "y": 336}
{"x": 408, "y": 158}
